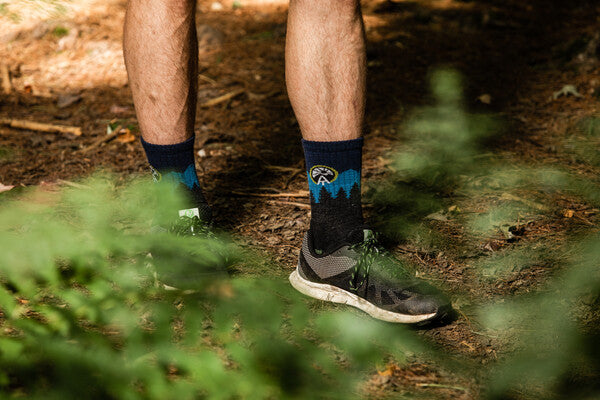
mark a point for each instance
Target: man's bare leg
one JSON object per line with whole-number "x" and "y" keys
{"x": 325, "y": 74}
{"x": 161, "y": 56}
{"x": 325, "y": 68}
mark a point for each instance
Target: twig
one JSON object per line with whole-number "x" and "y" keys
{"x": 223, "y": 98}
{"x": 207, "y": 79}
{"x": 6, "y": 83}
{"x": 40, "y": 126}
{"x": 439, "y": 385}
{"x": 466, "y": 318}
{"x": 103, "y": 139}
{"x": 485, "y": 334}
{"x": 585, "y": 221}
{"x": 302, "y": 194}
{"x": 468, "y": 345}
{"x": 283, "y": 169}
{"x": 72, "y": 184}
{"x": 527, "y": 202}
{"x": 268, "y": 189}
{"x": 290, "y": 203}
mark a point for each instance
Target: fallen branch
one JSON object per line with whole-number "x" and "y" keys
{"x": 5, "y": 75}
{"x": 301, "y": 194}
{"x": 103, "y": 139}
{"x": 222, "y": 99}
{"x": 40, "y": 126}
{"x": 290, "y": 203}
{"x": 282, "y": 169}
{"x": 205, "y": 78}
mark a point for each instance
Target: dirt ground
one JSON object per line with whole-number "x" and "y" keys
{"x": 67, "y": 69}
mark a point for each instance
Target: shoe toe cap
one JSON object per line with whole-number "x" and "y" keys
{"x": 424, "y": 304}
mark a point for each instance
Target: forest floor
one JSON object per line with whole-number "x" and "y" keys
{"x": 67, "y": 69}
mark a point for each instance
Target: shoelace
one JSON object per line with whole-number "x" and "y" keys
{"x": 371, "y": 249}
{"x": 368, "y": 249}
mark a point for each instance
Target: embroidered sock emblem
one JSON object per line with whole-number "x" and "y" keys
{"x": 322, "y": 174}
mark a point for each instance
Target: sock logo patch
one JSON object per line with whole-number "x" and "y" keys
{"x": 344, "y": 184}
{"x": 322, "y": 174}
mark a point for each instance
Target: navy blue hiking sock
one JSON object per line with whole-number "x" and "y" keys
{"x": 333, "y": 170}
{"x": 175, "y": 162}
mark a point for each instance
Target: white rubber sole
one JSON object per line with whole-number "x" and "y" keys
{"x": 334, "y": 294}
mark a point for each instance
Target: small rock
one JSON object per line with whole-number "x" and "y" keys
{"x": 216, "y": 6}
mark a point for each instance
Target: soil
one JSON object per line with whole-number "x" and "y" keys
{"x": 67, "y": 69}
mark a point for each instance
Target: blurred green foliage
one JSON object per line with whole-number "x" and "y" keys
{"x": 440, "y": 147}
{"x": 60, "y": 31}
{"x": 14, "y": 9}
{"x": 82, "y": 315}
{"x": 583, "y": 141}
{"x": 551, "y": 333}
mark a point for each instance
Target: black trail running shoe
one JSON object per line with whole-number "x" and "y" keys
{"x": 365, "y": 276}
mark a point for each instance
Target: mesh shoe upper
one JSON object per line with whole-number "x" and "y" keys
{"x": 365, "y": 269}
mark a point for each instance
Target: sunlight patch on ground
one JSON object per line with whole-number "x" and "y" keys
{"x": 57, "y": 49}
{"x": 22, "y": 15}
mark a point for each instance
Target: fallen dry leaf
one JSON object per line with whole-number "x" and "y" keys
{"x": 485, "y": 99}
{"x": 567, "y": 90}
{"x": 568, "y": 213}
{"x": 5, "y": 188}
{"x": 389, "y": 370}
{"x": 126, "y": 137}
